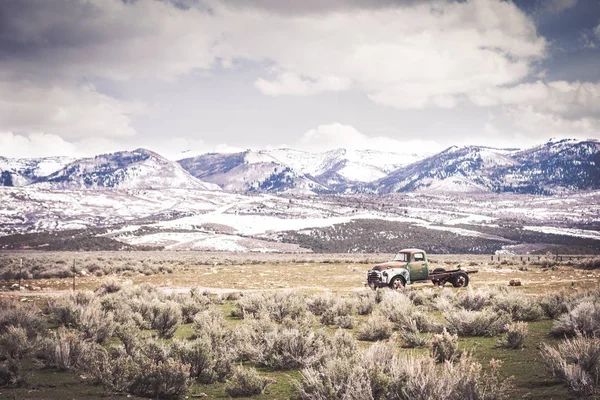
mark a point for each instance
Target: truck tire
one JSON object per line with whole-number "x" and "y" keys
{"x": 397, "y": 283}
{"x": 460, "y": 279}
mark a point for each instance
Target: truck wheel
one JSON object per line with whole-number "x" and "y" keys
{"x": 397, "y": 283}
{"x": 460, "y": 280}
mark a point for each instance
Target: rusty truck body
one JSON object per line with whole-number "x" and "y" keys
{"x": 410, "y": 266}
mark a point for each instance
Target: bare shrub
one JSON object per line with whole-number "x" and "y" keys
{"x": 276, "y": 305}
{"x": 14, "y": 343}
{"x": 474, "y": 300}
{"x": 444, "y": 347}
{"x": 320, "y": 303}
{"x": 212, "y": 353}
{"x": 161, "y": 380}
{"x": 24, "y": 316}
{"x": 341, "y": 344}
{"x": 345, "y": 321}
{"x": 246, "y": 382}
{"x": 420, "y": 297}
{"x": 62, "y": 349}
{"x": 110, "y": 367}
{"x": 192, "y": 305}
{"x": 445, "y": 300}
{"x": 554, "y": 304}
{"x": 413, "y": 338}
{"x": 518, "y": 306}
{"x": 249, "y": 335}
{"x": 477, "y": 323}
{"x": 515, "y": 336}
{"x": 128, "y": 333}
{"x": 208, "y": 362}
{"x": 165, "y": 318}
{"x": 365, "y": 303}
{"x": 376, "y": 327}
{"x": 210, "y": 323}
{"x": 340, "y": 307}
{"x": 96, "y": 324}
{"x": 233, "y": 296}
{"x": 575, "y": 362}
{"x": 120, "y": 371}
{"x": 11, "y": 373}
{"x": 64, "y": 311}
{"x": 379, "y": 373}
{"x": 336, "y": 379}
{"x": 83, "y": 298}
{"x": 110, "y": 285}
{"x": 155, "y": 350}
{"x": 583, "y": 319}
{"x": 591, "y": 264}
{"x": 289, "y": 348}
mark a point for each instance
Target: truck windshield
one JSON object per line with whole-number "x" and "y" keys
{"x": 402, "y": 257}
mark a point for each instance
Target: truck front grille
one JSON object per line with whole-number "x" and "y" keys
{"x": 373, "y": 277}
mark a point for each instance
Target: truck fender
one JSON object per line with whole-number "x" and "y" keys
{"x": 403, "y": 273}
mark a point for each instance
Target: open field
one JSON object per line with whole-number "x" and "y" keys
{"x": 315, "y": 301}
{"x": 52, "y": 271}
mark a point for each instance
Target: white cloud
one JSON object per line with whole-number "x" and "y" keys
{"x": 558, "y": 108}
{"x": 544, "y": 109}
{"x": 418, "y": 55}
{"x": 520, "y": 94}
{"x": 424, "y": 55}
{"x": 558, "y": 6}
{"x": 408, "y": 56}
{"x": 67, "y": 110}
{"x": 337, "y": 135}
{"x": 113, "y": 39}
{"x": 542, "y": 125}
{"x": 34, "y": 145}
{"x": 287, "y": 83}
{"x": 569, "y": 100}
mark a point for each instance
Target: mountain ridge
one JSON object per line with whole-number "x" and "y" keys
{"x": 553, "y": 167}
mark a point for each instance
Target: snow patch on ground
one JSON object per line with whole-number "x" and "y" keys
{"x": 361, "y": 173}
{"x": 209, "y": 242}
{"x": 451, "y": 184}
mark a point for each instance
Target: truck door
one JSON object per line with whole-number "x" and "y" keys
{"x": 418, "y": 267}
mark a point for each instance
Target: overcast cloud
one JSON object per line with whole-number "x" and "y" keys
{"x": 79, "y": 77}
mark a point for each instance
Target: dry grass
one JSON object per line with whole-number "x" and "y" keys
{"x": 117, "y": 338}
{"x": 239, "y": 272}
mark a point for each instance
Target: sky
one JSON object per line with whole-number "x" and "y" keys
{"x": 182, "y": 77}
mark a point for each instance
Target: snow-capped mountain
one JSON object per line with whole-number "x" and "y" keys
{"x": 563, "y": 165}
{"x": 138, "y": 169}
{"x": 456, "y": 169}
{"x": 249, "y": 171}
{"x": 23, "y": 171}
{"x": 553, "y": 167}
{"x": 288, "y": 169}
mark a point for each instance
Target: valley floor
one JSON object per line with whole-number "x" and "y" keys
{"x": 226, "y": 276}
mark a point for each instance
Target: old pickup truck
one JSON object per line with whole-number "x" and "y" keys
{"x": 410, "y": 266}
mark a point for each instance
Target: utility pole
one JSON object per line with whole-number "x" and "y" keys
{"x": 73, "y": 275}
{"x": 20, "y": 273}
